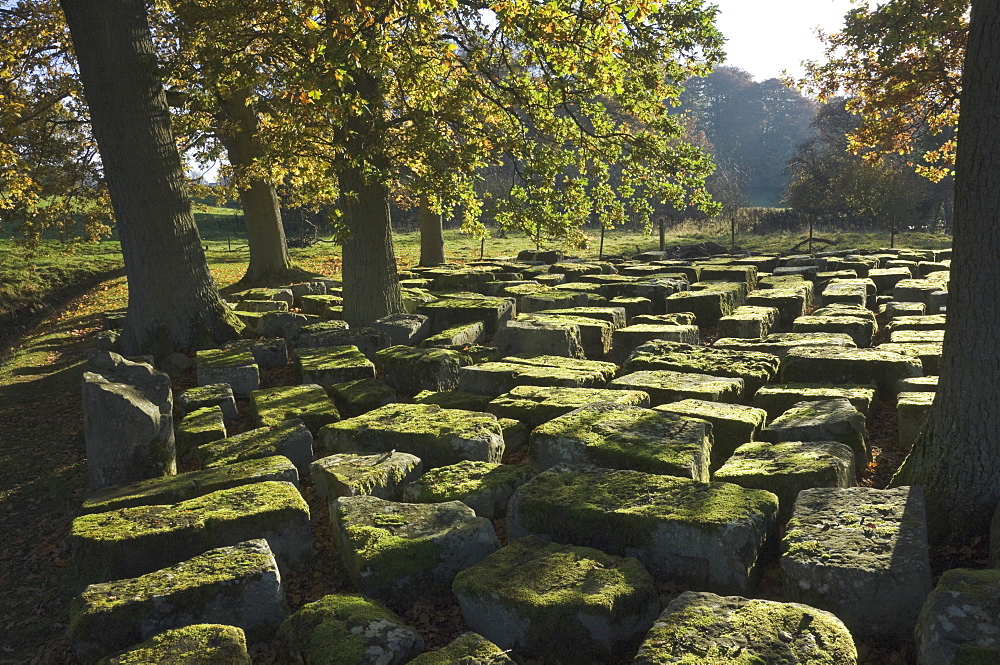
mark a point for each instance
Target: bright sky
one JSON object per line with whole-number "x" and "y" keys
{"x": 765, "y": 37}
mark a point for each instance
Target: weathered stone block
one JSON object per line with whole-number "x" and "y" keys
{"x": 216, "y": 394}
{"x": 449, "y": 312}
{"x": 496, "y": 378}
{"x": 707, "y": 535}
{"x": 616, "y": 436}
{"x": 537, "y": 336}
{"x": 664, "y": 386}
{"x": 708, "y": 306}
{"x": 460, "y": 335}
{"x": 627, "y": 339}
{"x": 309, "y": 403}
{"x": 200, "y": 644}
{"x": 238, "y": 586}
{"x": 785, "y": 469}
{"x": 291, "y": 439}
{"x": 595, "y": 335}
{"x": 613, "y": 315}
{"x": 732, "y": 424}
{"x": 959, "y": 622}
{"x": 533, "y": 405}
{"x": 127, "y": 421}
{"x": 928, "y": 353}
{"x": 544, "y": 599}
{"x": 349, "y": 474}
{"x": 202, "y": 425}
{"x": 437, "y": 436}
{"x": 860, "y": 553}
{"x": 409, "y": 370}
{"x": 466, "y": 649}
{"x": 348, "y": 629}
{"x": 754, "y": 368}
{"x": 749, "y": 321}
{"x": 861, "y": 330}
{"x": 912, "y": 410}
{"x": 855, "y": 366}
{"x": 236, "y": 367}
{"x": 486, "y": 487}
{"x": 327, "y": 365}
{"x": 780, "y": 398}
{"x": 406, "y": 329}
{"x": 823, "y": 420}
{"x": 699, "y": 627}
{"x": 354, "y": 398}
{"x": 780, "y": 344}
{"x": 397, "y": 552}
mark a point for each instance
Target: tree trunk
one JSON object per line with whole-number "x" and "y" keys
{"x": 371, "y": 285}
{"x": 957, "y": 456}
{"x": 431, "y": 236}
{"x": 269, "y": 258}
{"x": 172, "y": 299}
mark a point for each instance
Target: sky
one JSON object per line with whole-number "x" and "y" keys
{"x": 765, "y": 37}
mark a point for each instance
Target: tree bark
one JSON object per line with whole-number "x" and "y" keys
{"x": 431, "y": 236}
{"x": 371, "y": 283}
{"x": 956, "y": 457}
{"x": 173, "y": 302}
{"x": 269, "y": 259}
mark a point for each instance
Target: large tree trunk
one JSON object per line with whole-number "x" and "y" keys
{"x": 431, "y": 236}
{"x": 269, "y": 258}
{"x": 957, "y": 456}
{"x": 173, "y": 302}
{"x": 371, "y": 284}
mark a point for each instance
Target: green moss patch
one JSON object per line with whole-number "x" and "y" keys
{"x": 309, "y": 403}
{"x": 535, "y": 405}
{"x": 200, "y": 644}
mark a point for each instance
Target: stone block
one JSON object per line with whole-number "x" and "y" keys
{"x": 461, "y": 335}
{"x": 706, "y": 535}
{"x": 934, "y": 322}
{"x": 398, "y": 552}
{"x": 823, "y": 420}
{"x": 754, "y": 368}
{"x": 613, "y": 315}
{"x": 633, "y": 306}
{"x": 860, "y": 553}
{"x": 665, "y": 386}
{"x": 236, "y": 367}
{"x": 238, "y": 586}
{"x": 406, "y": 329}
{"x": 791, "y": 301}
{"x": 200, "y": 644}
{"x": 627, "y": 339}
{"x": 127, "y": 421}
{"x": 749, "y": 322}
{"x": 184, "y": 486}
{"x": 354, "y": 398}
{"x": 732, "y": 424}
{"x": 466, "y": 649}
{"x": 409, "y": 370}
{"x": 437, "y": 436}
{"x": 351, "y": 474}
{"x": 309, "y": 403}
{"x": 780, "y": 398}
{"x": 912, "y": 410}
{"x": 128, "y": 542}
{"x": 848, "y": 291}
{"x": 328, "y": 365}
{"x": 595, "y": 335}
{"x": 496, "y": 378}
{"x": 699, "y": 627}
{"x": 486, "y": 487}
{"x": 539, "y": 336}
{"x": 534, "y": 405}
{"x": 216, "y": 394}
{"x": 200, "y": 426}
{"x": 959, "y": 621}
{"x": 785, "y": 469}
{"x": 885, "y": 279}
{"x": 780, "y": 344}
{"x": 900, "y": 310}
{"x": 542, "y": 599}
{"x": 854, "y": 366}
{"x": 617, "y": 436}
{"x": 450, "y": 312}
{"x": 290, "y": 439}
{"x": 349, "y": 629}
{"x": 861, "y": 330}
{"x": 708, "y": 306}
{"x": 927, "y": 353}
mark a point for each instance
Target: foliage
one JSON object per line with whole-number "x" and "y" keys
{"x": 900, "y": 63}
{"x": 49, "y": 172}
{"x": 421, "y": 95}
{"x": 827, "y": 179}
{"x": 750, "y": 128}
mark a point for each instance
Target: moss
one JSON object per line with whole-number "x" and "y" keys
{"x": 467, "y": 648}
{"x": 199, "y": 644}
{"x": 385, "y": 559}
{"x": 453, "y": 399}
{"x": 457, "y": 481}
{"x": 362, "y": 395}
{"x": 217, "y": 358}
{"x": 981, "y": 585}
{"x": 256, "y": 443}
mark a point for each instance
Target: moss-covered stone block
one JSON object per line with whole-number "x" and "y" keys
{"x": 349, "y": 474}
{"x": 708, "y": 305}
{"x": 354, "y": 398}
{"x": 792, "y": 300}
{"x": 664, "y": 386}
{"x": 861, "y": 330}
{"x": 754, "y": 368}
{"x": 453, "y": 399}
{"x": 627, "y": 339}
{"x": 595, "y": 335}
{"x": 930, "y": 322}
{"x": 328, "y": 365}
{"x": 848, "y": 291}
{"x": 539, "y": 336}
{"x": 700, "y": 628}
{"x": 291, "y": 439}
{"x": 134, "y": 541}
{"x": 703, "y": 535}
{"x": 854, "y": 366}
{"x": 542, "y": 599}
{"x": 833, "y": 419}
{"x": 397, "y": 552}
{"x": 912, "y": 411}
{"x": 183, "y": 486}
{"x": 237, "y": 586}
{"x": 777, "y": 399}
{"x": 437, "y": 436}
{"x": 309, "y": 403}
{"x": 959, "y": 623}
{"x": 780, "y": 344}
{"x": 749, "y": 321}
{"x": 616, "y": 436}
{"x": 346, "y": 629}
{"x": 234, "y": 367}
{"x": 449, "y": 312}
{"x": 216, "y": 394}
{"x": 486, "y": 487}
{"x": 785, "y": 469}
{"x": 200, "y": 644}
{"x": 202, "y": 425}
{"x": 613, "y": 315}
{"x": 732, "y": 424}
{"x": 860, "y": 553}
{"x": 466, "y": 649}
{"x": 534, "y": 405}
{"x": 320, "y": 305}
{"x": 409, "y": 370}
{"x": 928, "y": 353}
{"x": 463, "y": 334}
{"x": 496, "y": 378}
